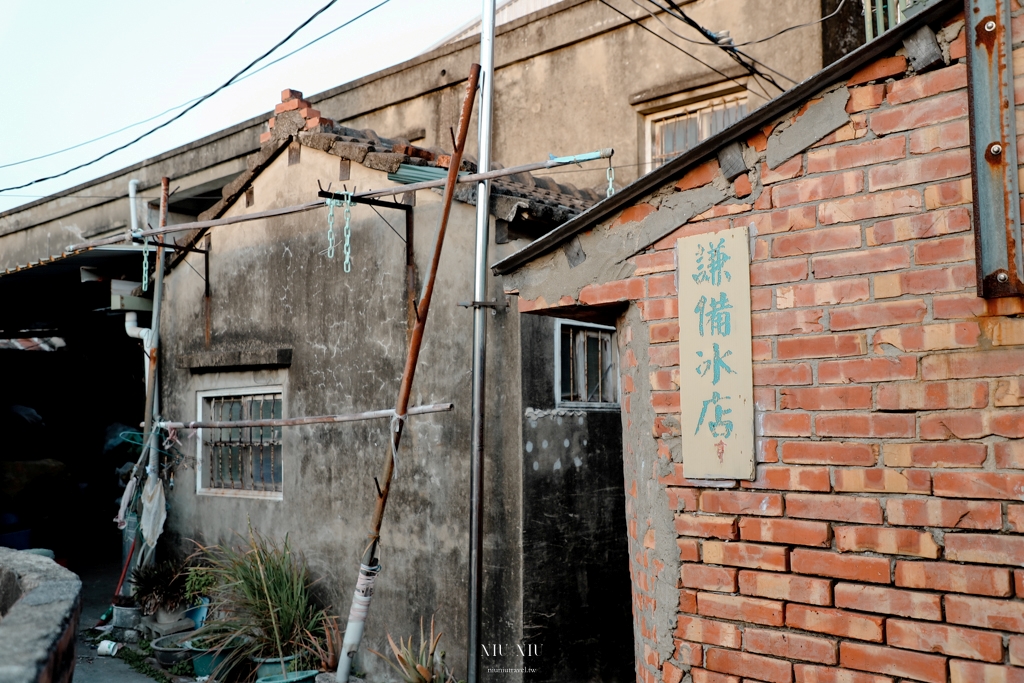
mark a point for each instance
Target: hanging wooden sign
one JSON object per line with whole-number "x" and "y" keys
{"x": 716, "y": 372}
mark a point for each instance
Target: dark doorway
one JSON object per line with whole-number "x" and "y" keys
{"x": 576, "y": 587}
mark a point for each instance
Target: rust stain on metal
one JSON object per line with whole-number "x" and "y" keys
{"x": 983, "y": 36}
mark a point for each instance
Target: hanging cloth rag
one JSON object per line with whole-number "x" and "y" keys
{"x": 154, "y": 509}
{"x": 126, "y": 500}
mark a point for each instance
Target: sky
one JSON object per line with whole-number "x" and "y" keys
{"x": 74, "y": 70}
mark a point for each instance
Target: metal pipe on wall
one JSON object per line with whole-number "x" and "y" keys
{"x": 480, "y": 275}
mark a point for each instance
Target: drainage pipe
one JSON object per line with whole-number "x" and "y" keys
{"x": 133, "y": 205}
{"x": 131, "y": 327}
{"x": 480, "y": 275}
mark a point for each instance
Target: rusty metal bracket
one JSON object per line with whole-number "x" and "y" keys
{"x": 997, "y": 228}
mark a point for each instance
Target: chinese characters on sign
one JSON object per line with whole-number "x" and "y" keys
{"x": 714, "y": 355}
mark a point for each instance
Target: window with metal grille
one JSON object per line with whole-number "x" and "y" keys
{"x": 586, "y": 365}
{"x": 240, "y": 458}
{"x": 677, "y": 130}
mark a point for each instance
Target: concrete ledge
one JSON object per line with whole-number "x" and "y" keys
{"x": 37, "y": 630}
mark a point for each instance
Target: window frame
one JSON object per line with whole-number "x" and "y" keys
{"x": 204, "y": 490}
{"x": 585, "y": 405}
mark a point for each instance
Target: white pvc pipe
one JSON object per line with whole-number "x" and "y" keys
{"x": 133, "y": 186}
{"x": 131, "y": 327}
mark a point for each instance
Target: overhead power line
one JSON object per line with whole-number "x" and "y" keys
{"x": 195, "y": 99}
{"x": 792, "y": 28}
{"x": 666, "y": 40}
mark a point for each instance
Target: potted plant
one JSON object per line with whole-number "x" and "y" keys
{"x": 261, "y": 594}
{"x": 125, "y": 612}
{"x": 422, "y": 665}
{"x": 159, "y": 589}
{"x": 198, "y": 585}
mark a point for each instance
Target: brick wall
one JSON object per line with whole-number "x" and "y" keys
{"x": 881, "y": 540}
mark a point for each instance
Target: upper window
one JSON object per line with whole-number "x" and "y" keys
{"x": 241, "y": 460}
{"x": 586, "y": 365}
{"x": 674, "y": 131}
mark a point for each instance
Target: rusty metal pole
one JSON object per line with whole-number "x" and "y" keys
{"x": 154, "y": 326}
{"x": 369, "y": 568}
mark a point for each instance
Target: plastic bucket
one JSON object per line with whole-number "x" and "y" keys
{"x": 269, "y": 666}
{"x": 291, "y": 677}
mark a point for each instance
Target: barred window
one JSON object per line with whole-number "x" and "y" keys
{"x": 675, "y": 131}
{"x": 244, "y": 458}
{"x": 586, "y": 365}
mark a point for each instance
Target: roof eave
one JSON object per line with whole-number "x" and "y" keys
{"x": 763, "y": 115}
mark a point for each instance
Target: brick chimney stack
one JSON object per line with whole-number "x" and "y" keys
{"x": 292, "y": 115}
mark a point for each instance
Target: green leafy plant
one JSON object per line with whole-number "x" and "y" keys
{"x": 260, "y": 603}
{"x": 422, "y": 665}
{"x": 159, "y": 585}
{"x": 199, "y": 583}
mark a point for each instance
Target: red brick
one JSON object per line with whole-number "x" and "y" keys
{"x": 707, "y": 631}
{"x": 688, "y": 601}
{"x": 708, "y": 578}
{"x": 823, "y": 346}
{"x": 880, "y": 600}
{"x": 921, "y": 226}
{"x": 834, "y": 622}
{"x": 817, "y": 189}
{"x": 657, "y": 309}
{"x": 867, "y": 425}
{"x": 985, "y": 549}
{"x": 1009, "y": 455}
{"x": 789, "y": 531}
{"x": 742, "y": 503}
{"x": 740, "y": 608}
{"x": 936, "y": 455}
{"x": 705, "y": 676}
{"x": 689, "y": 654}
{"x": 289, "y": 94}
{"x": 874, "y": 205}
{"x": 774, "y": 272}
{"x": 291, "y": 105}
{"x": 883, "y": 480}
{"x": 680, "y": 499}
{"x": 785, "y": 220}
{"x": 878, "y": 315}
{"x": 1016, "y": 650}
{"x": 953, "y": 425}
{"x": 662, "y": 285}
{"x": 866, "y": 97}
{"x": 878, "y": 369}
{"x": 950, "y": 193}
{"x": 786, "y": 322}
{"x": 779, "y": 374}
{"x": 618, "y": 290}
{"x": 790, "y": 646}
{"x": 664, "y": 332}
{"x": 920, "y": 114}
{"x": 1004, "y": 332}
{"x": 823, "y": 293}
{"x": 700, "y": 227}
{"x": 760, "y": 299}
{"x": 936, "y": 138}
{"x": 988, "y": 485}
{"x": 925, "y": 85}
{"x": 858, "y": 539}
{"x": 811, "y": 241}
{"x": 932, "y": 395}
{"x": 925, "y": 281}
{"x": 1014, "y": 517}
{"x": 655, "y": 262}
{"x": 954, "y": 578}
{"x": 1018, "y": 582}
{"x": 949, "y": 514}
{"x": 702, "y": 175}
{"x": 859, "y": 154}
{"x": 829, "y": 453}
{"x": 761, "y": 349}
{"x": 929, "y": 337}
{"x": 878, "y": 70}
{"x": 785, "y": 424}
{"x": 900, "y": 663}
{"x": 947, "y": 640}
{"x": 749, "y": 665}
{"x": 634, "y": 214}
{"x": 749, "y": 555}
{"x": 831, "y": 507}
{"x": 948, "y": 250}
{"x": 863, "y": 261}
{"x": 670, "y": 674}
{"x": 784, "y": 171}
{"x": 958, "y": 48}
{"x": 805, "y": 673}
{"x": 790, "y": 479}
{"x": 914, "y": 171}
{"x": 706, "y": 526}
{"x": 665, "y": 401}
{"x": 961, "y": 671}
{"x": 972, "y": 306}
{"x": 826, "y": 398}
{"x": 828, "y": 563}
{"x": 786, "y": 587}
{"x": 1000, "y": 615}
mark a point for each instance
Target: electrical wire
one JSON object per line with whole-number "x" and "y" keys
{"x": 202, "y": 99}
{"x": 791, "y": 28}
{"x": 713, "y": 38}
{"x": 195, "y": 99}
{"x": 663, "y": 38}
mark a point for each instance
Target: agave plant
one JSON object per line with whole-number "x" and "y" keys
{"x": 419, "y": 666}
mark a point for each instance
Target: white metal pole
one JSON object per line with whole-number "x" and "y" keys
{"x": 483, "y": 192}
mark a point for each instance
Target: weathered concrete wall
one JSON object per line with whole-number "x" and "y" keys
{"x": 39, "y": 608}
{"x": 272, "y": 287}
{"x": 881, "y": 538}
{"x": 578, "y": 57}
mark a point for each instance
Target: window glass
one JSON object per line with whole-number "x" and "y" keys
{"x": 587, "y": 365}
{"x": 681, "y": 129}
